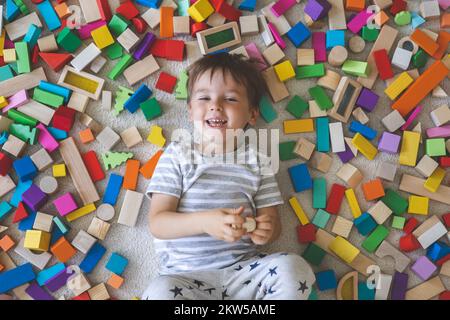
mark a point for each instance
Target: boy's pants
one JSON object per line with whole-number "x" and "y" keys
{"x": 264, "y": 277}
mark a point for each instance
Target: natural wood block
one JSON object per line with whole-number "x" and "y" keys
{"x": 305, "y": 57}
{"x": 321, "y": 161}
{"x": 304, "y": 148}
{"x": 342, "y": 227}
{"x": 98, "y": 228}
{"x": 350, "y": 174}
{"x": 99, "y": 292}
{"x": 43, "y": 222}
{"x": 131, "y": 137}
{"x": 83, "y": 241}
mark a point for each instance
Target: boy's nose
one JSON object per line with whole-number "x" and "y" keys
{"x": 215, "y": 106}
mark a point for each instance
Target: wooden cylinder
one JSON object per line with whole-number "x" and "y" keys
{"x": 357, "y": 44}
{"x": 337, "y": 56}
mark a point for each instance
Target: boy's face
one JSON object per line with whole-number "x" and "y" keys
{"x": 219, "y": 104}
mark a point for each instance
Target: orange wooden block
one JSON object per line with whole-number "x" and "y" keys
{"x": 149, "y": 167}
{"x": 115, "y": 281}
{"x": 373, "y": 189}
{"x": 62, "y": 10}
{"x": 420, "y": 88}
{"x": 424, "y": 41}
{"x": 86, "y": 135}
{"x": 6, "y": 243}
{"x": 445, "y": 20}
{"x": 1, "y": 267}
{"x": 381, "y": 18}
{"x": 166, "y": 22}
{"x": 131, "y": 174}
{"x": 63, "y": 250}
{"x": 355, "y": 5}
{"x": 442, "y": 40}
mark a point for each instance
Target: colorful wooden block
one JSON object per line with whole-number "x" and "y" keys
{"x": 418, "y": 205}
{"x": 335, "y": 198}
{"x": 364, "y": 146}
{"x": 300, "y": 177}
{"x": 377, "y": 236}
{"x": 321, "y": 218}
{"x": 326, "y": 280}
{"x": 389, "y": 142}
{"x": 365, "y": 224}
{"x": 409, "y": 148}
{"x": 298, "y": 34}
{"x": 65, "y": 204}
{"x": 102, "y": 37}
{"x": 63, "y": 250}
{"x": 37, "y": 240}
{"x": 423, "y": 268}
{"x": 301, "y": 215}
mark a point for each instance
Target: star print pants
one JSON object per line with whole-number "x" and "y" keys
{"x": 265, "y": 277}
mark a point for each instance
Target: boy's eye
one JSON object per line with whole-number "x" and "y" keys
{"x": 231, "y": 99}
{"x": 203, "y": 98}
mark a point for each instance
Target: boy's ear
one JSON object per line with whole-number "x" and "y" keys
{"x": 254, "y": 114}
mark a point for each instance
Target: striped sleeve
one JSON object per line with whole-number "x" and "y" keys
{"x": 268, "y": 193}
{"x": 167, "y": 178}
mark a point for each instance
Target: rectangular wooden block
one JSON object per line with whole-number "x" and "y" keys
{"x": 298, "y": 126}
{"x": 141, "y": 69}
{"x": 409, "y": 148}
{"x": 24, "y": 81}
{"x": 81, "y": 82}
{"x": 130, "y": 208}
{"x": 414, "y": 185}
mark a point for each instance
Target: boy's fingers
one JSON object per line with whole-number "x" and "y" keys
{"x": 264, "y": 226}
{"x": 232, "y": 219}
{"x": 263, "y": 218}
{"x": 233, "y": 232}
{"x": 235, "y": 211}
{"x": 261, "y": 233}
{"x": 258, "y": 239}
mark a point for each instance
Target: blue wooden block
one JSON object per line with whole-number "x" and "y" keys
{"x": 300, "y": 177}
{"x": 5, "y": 208}
{"x": 12, "y": 10}
{"x": 58, "y": 134}
{"x": 49, "y": 14}
{"x": 21, "y": 187}
{"x": 117, "y": 264}
{"x": 47, "y": 274}
{"x": 92, "y": 257}
{"x": 28, "y": 222}
{"x": 365, "y": 224}
{"x": 416, "y": 20}
{"x": 112, "y": 189}
{"x": 437, "y": 251}
{"x": 25, "y": 168}
{"x": 323, "y": 134}
{"x": 149, "y": 3}
{"x": 248, "y": 5}
{"x": 335, "y": 38}
{"x": 4, "y": 135}
{"x": 368, "y": 132}
{"x": 298, "y": 34}
{"x": 55, "y": 236}
{"x": 60, "y": 225}
{"x": 6, "y": 73}
{"x": 32, "y": 35}
{"x": 364, "y": 293}
{"x": 139, "y": 96}
{"x": 321, "y": 219}
{"x": 16, "y": 277}
{"x": 326, "y": 280}
{"x": 56, "y": 89}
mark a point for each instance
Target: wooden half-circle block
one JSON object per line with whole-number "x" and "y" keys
{"x": 401, "y": 260}
{"x": 348, "y": 287}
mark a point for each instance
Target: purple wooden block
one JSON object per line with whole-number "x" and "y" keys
{"x": 34, "y": 198}
{"x": 424, "y": 268}
{"x": 318, "y": 43}
{"x": 317, "y": 9}
{"x": 38, "y": 293}
{"x": 58, "y": 281}
{"x": 359, "y": 21}
{"x": 389, "y": 142}
{"x": 144, "y": 46}
{"x": 399, "y": 285}
{"x": 281, "y": 6}
{"x": 367, "y": 100}
{"x": 346, "y": 155}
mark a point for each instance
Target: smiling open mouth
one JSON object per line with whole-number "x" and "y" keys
{"x": 216, "y": 123}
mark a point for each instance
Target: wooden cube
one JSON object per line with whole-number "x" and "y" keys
{"x": 350, "y": 174}
{"x": 108, "y": 138}
{"x": 131, "y": 137}
{"x": 342, "y": 227}
{"x": 99, "y": 292}
{"x": 78, "y": 102}
{"x": 78, "y": 284}
{"x": 6, "y": 243}
{"x": 426, "y": 166}
{"x": 305, "y": 57}
{"x": 98, "y": 228}
{"x": 418, "y": 205}
{"x": 380, "y": 212}
{"x": 83, "y": 241}
{"x": 128, "y": 39}
{"x": 181, "y": 25}
{"x": 43, "y": 222}
{"x": 47, "y": 43}
{"x": 373, "y": 189}
{"x": 14, "y": 146}
{"x": 273, "y": 54}
{"x": 115, "y": 281}
{"x": 321, "y": 161}
{"x": 41, "y": 159}
{"x": 9, "y": 55}
{"x": 304, "y": 148}
{"x": 315, "y": 111}
{"x": 441, "y": 115}
{"x": 63, "y": 250}
{"x": 249, "y": 25}
{"x": 37, "y": 240}
{"x": 86, "y": 135}
{"x": 387, "y": 171}
{"x": 59, "y": 170}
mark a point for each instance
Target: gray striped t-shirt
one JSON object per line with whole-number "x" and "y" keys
{"x": 206, "y": 182}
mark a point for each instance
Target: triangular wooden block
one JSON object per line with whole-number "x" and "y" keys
{"x": 148, "y": 168}
{"x": 3, "y": 228}
{"x": 21, "y": 213}
{"x": 439, "y": 92}
{"x": 55, "y": 60}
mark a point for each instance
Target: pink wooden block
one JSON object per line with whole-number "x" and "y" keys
{"x": 318, "y": 43}
{"x": 411, "y": 117}
{"x": 439, "y": 132}
{"x": 281, "y": 6}
{"x": 424, "y": 268}
{"x": 444, "y": 4}
{"x": 46, "y": 139}
{"x": 65, "y": 204}
{"x": 9, "y": 44}
{"x": 276, "y": 36}
{"x": 85, "y": 31}
{"x": 16, "y": 100}
{"x": 253, "y": 52}
{"x": 359, "y": 21}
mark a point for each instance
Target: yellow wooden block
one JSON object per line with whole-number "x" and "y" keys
{"x": 2, "y": 41}
{"x": 284, "y": 70}
{"x": 80, "y": 212}
{"x": 102, "y": 37}
{"x": 344, "y": 249}
{"x": 156, "y": 136}
{"x": 364, "y": 146}
{"x": 59, "y": 170}
{"x": 418, "y": 205}
{"x": 298, "y": 211}
{"x": 9, "y": 55}
{"x": 37, "y": 240}
{"x": 200, "y": 10}
{"x": 298, "y": 126}
{"x": 399, "y": 85}
{"x": 3, "y": 102}
{"x": 434, "y": 181}
{"x": 409, "y": 149}
{"x": 353, "y": 202}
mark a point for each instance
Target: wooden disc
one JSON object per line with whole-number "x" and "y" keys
{"x": 357, "y": 44}
{"x": 105, "y": 212}
{"x": 48, "y": 184}
{"x": 249, "y": 224}
{"x": 337, "y": 56}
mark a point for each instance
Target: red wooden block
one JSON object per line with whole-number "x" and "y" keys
{"x": 83, "y": 296}
{"x": 158, "y": 48}
{"x": 5, "y": 164}
{"x": 139, "y": 24}
{"x": 443, "y": 260}
{"x": 64, "y": 118}
{"x": 410, "y": 225}
{"x": 335, "y": 198}
{"x": 383, "y": 64}
{"x": 398, "y": 6}
{"x": 166, "y": 82}
{"x": 93, "y": 166}
{"x": 445, "y": 295}
{"x": 56, "y": 61}
{"x": 409, "y": 243}
{"x": 21, "y": 213}
{"x": 446, "y": 218}
{"x": 105, "y": 10}
{"x": 168, "y": 49}
{"x": 2, "y": 61}
{"x": 128, "y": 10}
{"x": 197, "y": 27}
{"x": 228, "y": 11}
{"x": 444, "y": 162}
{"x": 306, "y": 233}
{"x": 35, "y": 54}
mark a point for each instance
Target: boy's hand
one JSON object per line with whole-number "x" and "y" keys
{"x": 224, "y": 224}
{"x": 265, "y": 229}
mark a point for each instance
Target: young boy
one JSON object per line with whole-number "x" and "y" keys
{"x": 197, "y": 209}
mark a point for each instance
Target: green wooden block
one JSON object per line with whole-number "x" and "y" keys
{"x": 24, "y": 133}
{"x": 370, "y": 35}
{"x": 319, "y": 193}
{"x": 23, "y": 57}
{"x": 314, "y": 254}
{"x": 181, "y": 91}
{"x": 436, "y": 147}
{"x": 114, "y": 159}
{"x": 356, "y": 68}
{"x": 120, "y": 67}
{"x": 395, "y": 202}
{"x": 297, "y": 106}
{"x": 321, "y": 218}
{"x": 19, "y": 117}
{"x": 68, "y": 40}
{"x": 320, "y": 96}
{"x": 47, "y": 98}
{"x": 312, "y": 71}
{"x": 420, "y": 59}
{"x": 118, "y": 24}
{"x": 286, "y": 150}
{"x": 266, "y": 110}
{"x": 13, "y": 66}
{"x": 402, "y": 18}
{"x": 114, "y": 51}
{"x": 6, "y": 73}
{"x": 372, "y": 242}
{"x": 151, "y": 109}
{"x": 122, "y": 95}
{"x": 398, "y": 222}
{"x": 313, "y": 295}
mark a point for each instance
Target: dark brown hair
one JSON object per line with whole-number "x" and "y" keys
{"x": 243, "y": 70}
